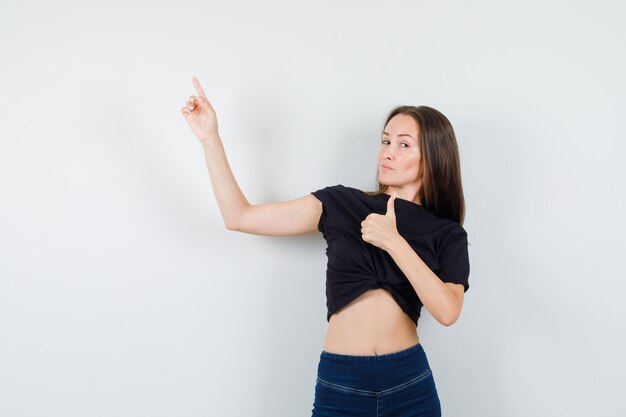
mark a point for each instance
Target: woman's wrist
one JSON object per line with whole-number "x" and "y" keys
{"x": 396, "y": 244}
{"x": 211, "y": 139}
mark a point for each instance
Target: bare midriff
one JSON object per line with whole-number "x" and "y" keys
{"x": 372, "y": 324}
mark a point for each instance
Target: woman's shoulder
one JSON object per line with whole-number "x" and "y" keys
{"x": 344, "y": 189}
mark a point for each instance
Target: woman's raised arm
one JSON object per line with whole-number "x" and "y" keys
{"x": 275, "y": 219}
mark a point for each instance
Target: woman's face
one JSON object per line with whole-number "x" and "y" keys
{"x": 400, "y": 152}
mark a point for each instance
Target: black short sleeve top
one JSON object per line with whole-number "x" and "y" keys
{"x": 355, "y": 266}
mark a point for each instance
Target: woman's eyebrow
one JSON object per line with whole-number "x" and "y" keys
{"x": 400, "y": 134}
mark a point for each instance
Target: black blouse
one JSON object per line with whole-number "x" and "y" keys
{"x": 355, "y": 266}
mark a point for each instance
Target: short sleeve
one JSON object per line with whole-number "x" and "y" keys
{"x": 325, "y": 195}
{"x": 454, "y": 257}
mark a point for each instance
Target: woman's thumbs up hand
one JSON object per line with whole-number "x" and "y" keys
{"x": 200, "y": 114}
{"x": 380, "y": 230}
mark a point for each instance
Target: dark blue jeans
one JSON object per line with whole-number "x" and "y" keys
{"x": 398, "y": 384}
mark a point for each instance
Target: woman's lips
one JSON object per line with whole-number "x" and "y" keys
{"x": 385, "y": 168}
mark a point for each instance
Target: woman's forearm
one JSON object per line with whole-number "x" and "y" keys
{"x": 230, "y": 199}
{"x": 436, "y": 296}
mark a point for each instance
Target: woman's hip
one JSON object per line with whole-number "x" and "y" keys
{"x": 374, "y": 373}
{"x": 394, "y": 384}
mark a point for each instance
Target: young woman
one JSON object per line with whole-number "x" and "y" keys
{"x": 390, "y": 252}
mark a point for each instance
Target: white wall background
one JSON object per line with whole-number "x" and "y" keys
{"x": 121, "y": 291}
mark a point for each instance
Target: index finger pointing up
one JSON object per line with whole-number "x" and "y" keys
{"x": 199, "y": 89}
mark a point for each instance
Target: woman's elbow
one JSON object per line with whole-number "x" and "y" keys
{"x": 448, "y": 322}
{"x": 230, "y": 225}
{"x": 450, "y": 319}
{"x": 232, "y": 228}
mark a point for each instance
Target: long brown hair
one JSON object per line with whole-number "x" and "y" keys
{"x": 442, "y": 191}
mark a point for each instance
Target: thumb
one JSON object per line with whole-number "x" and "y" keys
{"x": 390, "y": 207}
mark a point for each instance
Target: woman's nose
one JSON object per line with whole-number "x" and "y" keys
{"x": 388, "y": 153}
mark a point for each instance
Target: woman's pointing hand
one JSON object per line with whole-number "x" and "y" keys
{"x": 200, "y": 114}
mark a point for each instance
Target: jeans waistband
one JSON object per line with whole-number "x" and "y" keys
{"x": 373, "y": 372}
{"x": 400, "y": 354}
